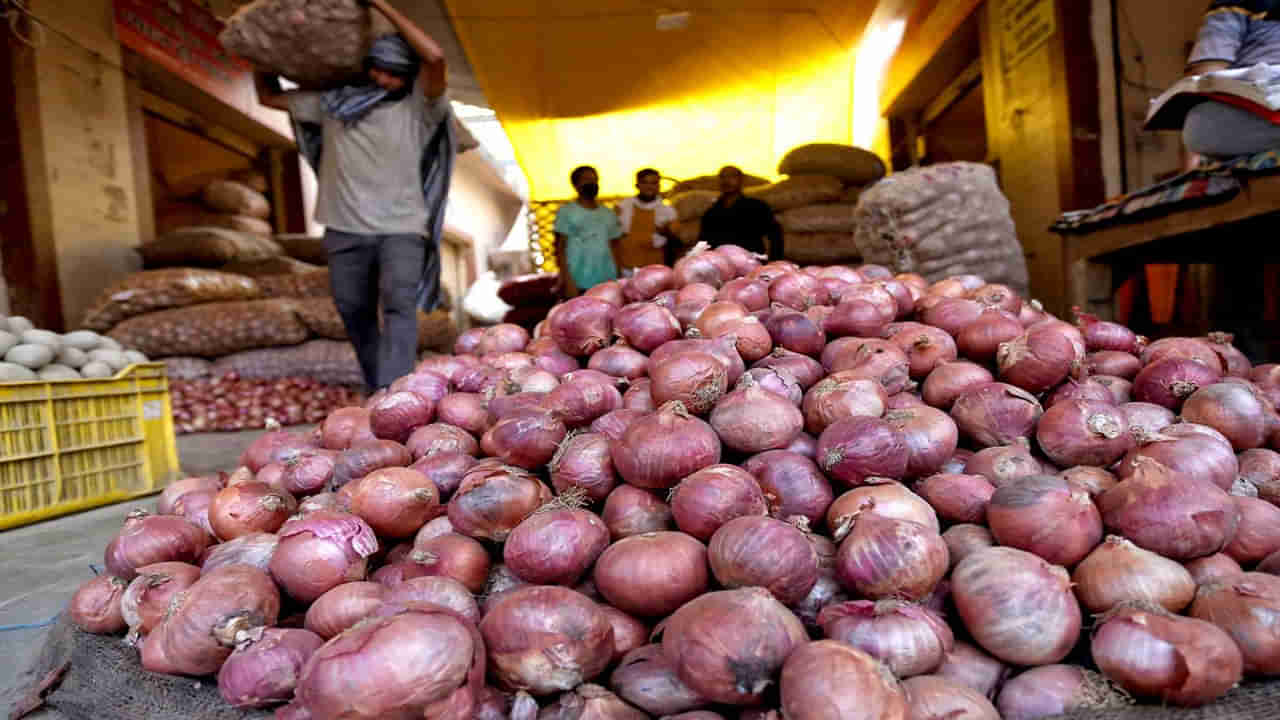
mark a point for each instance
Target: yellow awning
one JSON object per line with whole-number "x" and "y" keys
{"x": 597, "y": 83}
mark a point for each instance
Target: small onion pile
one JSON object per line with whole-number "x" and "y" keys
{"x": 229, "y": 403}
{"x": 737, "y": 489}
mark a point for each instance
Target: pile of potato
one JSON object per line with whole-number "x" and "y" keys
{"x": 33, "y": 354}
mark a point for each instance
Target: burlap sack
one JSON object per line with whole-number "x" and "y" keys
{"x": 942, "y": 220}
{"x": 187, "y": 368}
{"x": 227, "y": 196}
{"x": 206, "y": 247}
{"x": 693, "y": 204}
{"x": 851, "y": 194}
{"x": 819, "y": 219}
{"x": 712, "y": 183}
{"x": 436, "y": 330}
{"x": 270, "y": 266}
{"x": 153, "y": 290}
{"x": 184, "y": 215}
{"x": 296, "y": 285}
{"x": 315, "y": 43}
{"x": 332, "y": 362}
{"x": 799, "y": 191}
{"x": 306, "y": 248}
{"x": 820, "y": 248}
{"x": 214, "y": 329}
{"x": 853, "y": 165}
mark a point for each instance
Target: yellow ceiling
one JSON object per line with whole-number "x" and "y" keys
{"x": 596, "y": 83}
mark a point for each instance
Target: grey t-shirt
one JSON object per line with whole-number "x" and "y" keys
{"x": 1241, "y": 32}
{"x": 370, "y": 173}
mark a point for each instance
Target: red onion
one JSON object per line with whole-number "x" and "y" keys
{"x": 492, "y": 501}
{"x": 147, "y": 539}
{"x": 964, "y": 540}
{"x": 638, "y": 397}
{"x": 850, "y": 683}
{"x": 1059, "y": 689}
{"x": 363, "y": 459}
{"x": 718, "y": 316}
{"x": 931, "y": 697}
{"x": 796, "y": 331}
{"x": 804, "y": 369}
{"x": 906, "y": 637}
{"x": 882, "y": 557}
{"x": 1243, "y": 606}
{"x": 590, "y": 701}
{"x": 555, "y": 546}
{"x": 1118, "y": 571}
{"x": 620, "y": 360}
{"x": 207, "y": 620}
{"x": 254, "y": 549}
{"x": 776, "y": 268}
{"x": 464, "y": 410}
{"x": 263, "y": 670}
{"x": 871, "y": 359}
{"x": 525, "y": 438}
{"x": 631, "y": 511}
{"x": 925, "y": 348}
{"x": 902, "y": 295}
{"x": 1001, "y": 297}
{"x": 1231, "y": 409}
{"x": 579, "y": 404}
{"x": 439, "y": 662}
{"x": 779, "y": 382}
{"x": 1191, "y": 454}
{"x": 644, "y": 326}
{"x": 1120, "y": 390}
{"x": 1178, "y": 516}
{"x": 930, "y": 436}
{"x": 613, "y": 425}
{"x": 1110, "y": 362}
{"x": 503, "y": 338}
{"x": 751, "y": 419}
{"x": 1100, "y": 335}
{"x": 628, "y": 633}
{"x": 840, "y": 397}
{"x": 146, "y": 600}
{"x": 853, "y": 449}
{"x": 553, "y": 360}
{"x": 175, "y": 490}
{"x": 980, "y": 339}
{"x": 661, "y": 449}
{"x": 249, "y": 508}
{"x": 647, "y": 680}
{"x": 1092, "y": 480}
{"x": 1148, "y": 418}
{"x": 953, "y": 314}
{"x": 477, "y": 379}
{"x": 647, "y": 282}
{"x": 95, "y": 606}
{"x": 804, "y": 444}
{"x": 950, "y": 380}
{"x": 1194, "y": 349}
{"x": 752, "y": 340}
{"x": 610, "y": 292}
{"x": 696, "y": 379}
{"x": 858, "y": 317}
{"x": 713, "y": 496}
{"x": 728, "y": 646}
{"x": 468, "y": 341}
{"x": 687, "y": 314}
{"x": 763, "y": 552}
{"x": 446, "y": 470}
{"x": 875, "y": 294}
{"x": 1178, "y": 660}
{"x": 1261, "y": 467}
{"x": 1084, "y": 432}
{"x": 798, "y": 291}
{"x": 308, "y": 474}
{"x": 547, "y": 639}
{"x": 698, "y": 268}
{"x": 792, "y": 485}
{"x": 970, "y": 667}
{"x": 1038, "y": 359}
{"x": 453, "y": 556}
{"x": 343, "y": 607}
{"x": 750, "y": 294}
{"x": 958, "y": 460}
{"x": 996, "y": 414}
{"x": 1258, "y": 533}
{"x": 1047, "y": 516}
{"x": 193, "y": 507}
{"x": 274, "y": 446}
{"x": 322, "y": 501}
{"x": 396, "y": 502}
{"x": 744, "y": 262}
{"x": 1018, "y": 607}
{"x": 443, "y": 591}
{"x": 883, "y": 497}
{"x": 1087, "y": 389}
{"x": 583, "y": 461}
{"x": 653, "y": 574}
{"x": 319, "y": 551}
{"x": 1170, "y": 381}
{"x": 1004, "y": 465}
{"x": 582, "y": 325}
{"x": 503, "y": 405}
{"x": 957, "y": 498}
{"x": 1212, "y": 568}
{"x": 434, "y": 529}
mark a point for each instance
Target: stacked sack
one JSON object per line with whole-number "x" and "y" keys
{"x": 238, "y": 204}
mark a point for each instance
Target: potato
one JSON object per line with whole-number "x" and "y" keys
{"x": 32, "y": 357}
{"x": 19, "y": 325}
{"x": 58, "y": 372}
{"x": 9, "y": 372}
{"x": 97, "y": 369}
{"x": 112, "y": 358}
{"x": 7, "y": 341}
{"x": 43, "y": 337}
{"x": 84, "y": 340}
{"x": 109, "y": 343}
{"x": 133, "y": 357}
{"x": 72, "y": 357}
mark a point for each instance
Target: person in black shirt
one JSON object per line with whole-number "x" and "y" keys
{"x": 736, "y": 219}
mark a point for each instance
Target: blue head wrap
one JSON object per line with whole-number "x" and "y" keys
{"x": 390, "y": 53}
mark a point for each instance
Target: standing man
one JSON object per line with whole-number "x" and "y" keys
{"x": 736, "y": 219}
{"x": 647, "y": 224}
{"x": 587, "y": 236}
{"x": 384, "y": 151}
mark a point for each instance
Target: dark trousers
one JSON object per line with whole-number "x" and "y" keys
{"x": 366, "y": 269}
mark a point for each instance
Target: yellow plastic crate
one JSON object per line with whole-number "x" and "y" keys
{"x": 71, "y": 445}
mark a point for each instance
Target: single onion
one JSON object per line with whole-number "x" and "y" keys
{"x": 957, "y": 498}
{"x": 274, "y": 446}
{"x": 980, "y": 339}
{"x": 610, "y": 292}
{"x": 1038, "y": 359}
{"x": 395, "y": 502}
{"x": 930, "y": 435}
{"x": 792, "y": 485}
{"x": 1017, "y": 607}
{"x": 647, "y": 282}
{"x": 696, "y": 379}
{"x": 1179, "y": 660}
{"x": 1261, "y": 468}
{"x": 579, "y": 404}
{"x": 1120, "y": 391}
{"x": 397, "y": 415}
{"x": 907, "y": 638}
{"x": 95, "y": 606}
{"x": 853, "y": 449}
{"x": 453, "y": 556}
{"x": 750, "y": 294}
{"x": 525, "y": 438}
{"x": 931, "y": 697}
{"x": 953, "y": 314}
{"x": 779, "y": 382}
{"x": 744, "y": 261}
{"x": 717, "y": 316}
{"x": 1054, "y": 690}
{"x": 363, "y": 459}
{"x": 434, "y": 529}
{"x": 1118, "y": 571}
{"x": 1047, "y": 516}
{"x": 653, "y": 574}
{"x": 1004, "y": 465}
{"x": 1087, "y": 389}
{"x": 698, "y": 268}
{"x": 872, "y": 359}
{"x": 1194, "y": 349}
{"x": 1170, "y": 381}
{"x": 644, "y": 326}
{"x": 631, "y": 511}
{"x": 253, "y": 549}
{"x": 1148, "y": 418}
{"x": 1110, "y": 362}
{"x": 839, "y": 397}
{"x": 659, "y": 450}
{"x": 1212, "y": 568}
{"x": 492, "y": 501}
{"x": 547, "y": 639}
{"x": 1178, "y": 516}
{"x": 1243, "y": 605}
{"x": 970, "y": 667}
{"x": 1234, "y": 362}
{"x": 441, "y": 438}
{"x": 638, "y": 397}
{"x": 882, "y": 497}
{"x": 647, "y": 680}
{"x": 628, "y": 633}
{"x": 443, "y": 591}
{"x": 798, "y": 291}
{"x": 550, "y": 358}
{"x": 950, "y": 380}
{"x": 583, "y": 461}
{"x": 851, "y": 684}
{"x": 147, "y": 539}
{"x": 446, "y": 470}
{"x": 763, "y": 552}
{"x": 1185, "y": 451}
{"x": 263, "y": 670}
{"x": 925, "y": 348}
{"x": 194, "y": 506}
{"x": 803, "y": 368}
{"x": 1258, "y": 533}
{"x": 796, "y": 331}
{"x": 882, "y": 557}
{"x": 175, "y": 490}
{"x": 965, "y": 539}
{"x": 320, "y": 551}
{"x": 582, "y": 325}
{"x": 308, "y": 474}
{"x": 555, "y": 546}
{"x": 751, "y": 419}
{"x": 712, "y": 496}
{"x": 858, "y": 317}
{"x": 620, "y": 360}
{"x": 464, "y": 410}
{"x": 1084, "y": 432}
{"x": 343, "y": 607}
{"x": 1231, "y": 409}
{"x": 590, "y": 701}
{"x": 996, "y": 414}
{"x": 1102, "y": 335}
{"x": 249, "y": 508}
{"x": 1092, "y": 480}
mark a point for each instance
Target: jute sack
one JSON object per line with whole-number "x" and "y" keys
{"x": 693, "y": 204}
{"x": 296, "y": 285}
{"x": 184, "y": 215}
{"x": 820, "y": 248}
{"x": 316, "y": 43}
{"x": 331, "y": 362}
{"x": 187, "y": 368}
{"x": 306, "y": 248}
{"x": 280, "y": 265}
{"x": 712, "y": 183}
{"x": 153, "y": 290}
{"x": 942, "y": 220}
{"x": 853, "y": 165}
{"x": 232, "y": 197}
{"x": 818, "y": 219}
{"x": 206, "y": 247}
{"x": 799, "y": 191}
{"x": 213, "y": 329}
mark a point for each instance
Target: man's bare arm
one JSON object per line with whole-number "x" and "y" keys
{"x": 433, "y": 78}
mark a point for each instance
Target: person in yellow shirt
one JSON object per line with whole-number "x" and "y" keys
{"x": 648, "y": 224}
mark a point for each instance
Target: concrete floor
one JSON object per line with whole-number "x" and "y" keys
{"x": 41, "y": 565}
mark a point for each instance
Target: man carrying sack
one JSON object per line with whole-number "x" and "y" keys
{"x": 384, "y": 151}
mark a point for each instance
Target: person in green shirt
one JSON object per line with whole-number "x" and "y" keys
{"x": 587, "y": 235}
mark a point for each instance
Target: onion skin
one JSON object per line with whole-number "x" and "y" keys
{"x": 950, "y": 380}
{"x": 583, "y": 461}
{"x": 751, "y": 419}
{"x": 792, "y": 485}
{"x": 95, "y": 606}
{"x": 147, "y": 539}
{"x": 713, "y": 496}
{"x": 1180, "y": 660}
{"x": 996, "y": 414}
{"x": 654, "y": 574}
{"x": 1232, "y": 410}
{"x": 1170, "y": 381}
{"x": 763, "y": 552}
{"x": 1190, "y": 454}
{"x": 853, "y": 449}
{"x": 957, "y": 498}
{"x": 582, "y": 326}
{"x": 1258, "y": 534}
{"x": 870, "y": 359}
{"x": 264, "y": 671}
{"x": 647, "y": 680}
{"x": 1018, "y": 607}
{"x": 1243, "y": 606}
{"x": 931, "y": 697}
{"x": 555, "y": 546}
{"x": 804, "y": 369}
{"x": 852, "y": 685}
{"x": 1047, "y": 516}
{"x": 908, "y": 638}
{"x": 590, "y": 701}
{"x": 1147, "y": 417}
{"x": 1055, "y": 690}
{"x": 175, "y": 490}
{"x": 522, "y": 629}
{"x": 729, "y": 645}
{"x": 661, "y": 449}
{"x": 491, "y": 502}
{"x": 966, "y": 539}
{"x": 695, "y": 379}
{"x": 146, "y": 601}
{"x": 968, "y": 666}
{"x": 779, "y": 382}
{"x": 343, "y": 607}
{"x": 1179, "y": 517}
{"x": 1117, "y": 571}
{"x": 1261, "y": 467}
{"x": 882, "y": 558}
{"x": 319, "y": 551}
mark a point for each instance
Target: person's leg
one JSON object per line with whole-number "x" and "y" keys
{"x": 353, "y": 278}
{"x": 402, "y": 260}
{"x": 1219, "y": 130}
